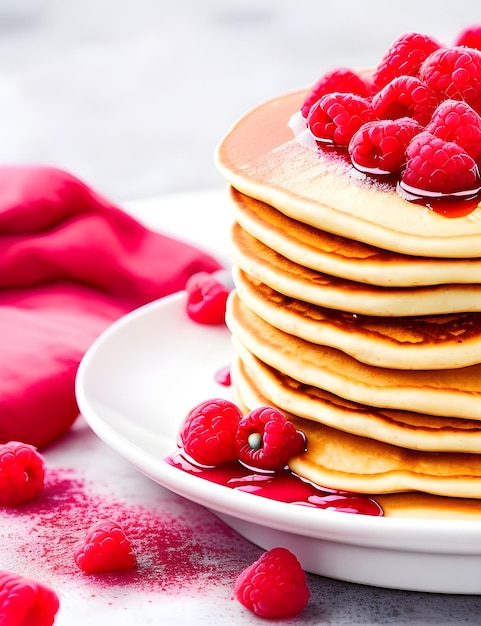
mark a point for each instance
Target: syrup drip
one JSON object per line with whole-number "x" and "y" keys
{"x": 448, "y": 206}
{"x": 283, "y": 486}
{"x": 222, "y": 376}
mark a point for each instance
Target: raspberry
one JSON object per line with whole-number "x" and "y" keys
{"x": 436, "y": 167}
{"x": 274, "y": 586}
{"x": 337, "y": 116}
{"x": 454, "y": 73}
{"x": 405, "y": 96}
{"x": 206, "y": 299}
{"x": 26, "y": 602}
{"x": 404, "y": 57}
{"x": 454, "y": 120}
{"x": 208, "y": 432}
{"x": 22, "y": 473}
{"x": 379, "y": 147}
{"x": 266, "y": 440}
{"x": 104, "y": 549}
{"x": 469, "y": 37}
{"x": 342, "y": 80}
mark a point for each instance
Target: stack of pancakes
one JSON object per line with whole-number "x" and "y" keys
{"x": 358, "y": 314}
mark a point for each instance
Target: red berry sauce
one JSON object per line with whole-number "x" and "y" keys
{"x": 222, "y": 376}
{"x": 282, "y": 486}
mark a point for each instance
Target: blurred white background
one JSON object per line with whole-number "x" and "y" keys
{"x": 133, "y": 95}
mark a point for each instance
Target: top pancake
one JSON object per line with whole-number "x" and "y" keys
{"x": 261, "y": 158}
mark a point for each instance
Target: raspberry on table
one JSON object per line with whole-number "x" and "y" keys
{"x": 454, "y": 120}
{"x": 404, "y": 57}
{"x": 337, "y": 116}
{"x": 275, "y": 586}
{"x": 436, "y": 167}
{"x": 405, "y": 96}
{"x": 379, "y": 147}
{"x": 343, "y": 80}
{"x": 266, "y": 439}
{"x": 206, "y": 299}
{"x": 26, "y": 602}
{"x": 454, "y": 73}
{"x": 207, "y": 434}
{"x": 105, "y": 548}
{"x": 22, "y": 473}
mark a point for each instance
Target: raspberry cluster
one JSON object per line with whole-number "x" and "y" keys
{"x": 416, "y": 117}
{"x": 216, "y": 432}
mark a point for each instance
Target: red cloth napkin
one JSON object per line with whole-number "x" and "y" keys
{"x": 70, "y": 264}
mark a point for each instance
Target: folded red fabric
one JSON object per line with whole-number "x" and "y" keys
{"x": 70, "y": 264}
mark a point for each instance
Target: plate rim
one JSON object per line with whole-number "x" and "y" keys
{"x": 440, "y": 536}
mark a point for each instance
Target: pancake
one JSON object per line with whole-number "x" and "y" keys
{"x": 406, "y": 429}
{"x": 261, "y": 158}
{"x": 453, "y": 393}
{"x": 305, "y": 284}
{"x": 338, "y": 460}
{"x": 433, "y": 342}
{"x": 343, "y": 257}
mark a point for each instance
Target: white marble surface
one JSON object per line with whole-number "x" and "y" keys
{"x": 133, "y": 95}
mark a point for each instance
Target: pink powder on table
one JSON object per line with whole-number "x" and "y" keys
{"x": 179, "y": 545}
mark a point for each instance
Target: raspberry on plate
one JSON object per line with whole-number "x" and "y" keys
{"x": 437, "y": 168}
{"x": 379, "y": 147}
{"x": 208, "y": 432}
{"x": 26, "y": 602}
{"x": 454, "y": 120}
{"x": 404, "y": 57}
{"x": 274, "y": 586}
{"x": 342, "y": 79}
{"x": 104, "y": 549}
{"x": 22, "y": 473}
{"x": 266, "y": 439}
{"x": 337, "y": 116}
{"x": 454, "y": 73}
{"x": 206, "y": 298}
{"x": 405, "y": 96}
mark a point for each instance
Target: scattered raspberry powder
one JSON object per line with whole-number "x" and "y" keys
{"x": 179, "y": 546}
{"x": 274, "y": 586}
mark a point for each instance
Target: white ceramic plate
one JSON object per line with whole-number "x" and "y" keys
{"x": 134, "y": 387}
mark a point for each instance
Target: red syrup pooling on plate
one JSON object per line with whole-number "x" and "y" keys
{"x": 283, "y": 486}
{"x": 222, "y": 376}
